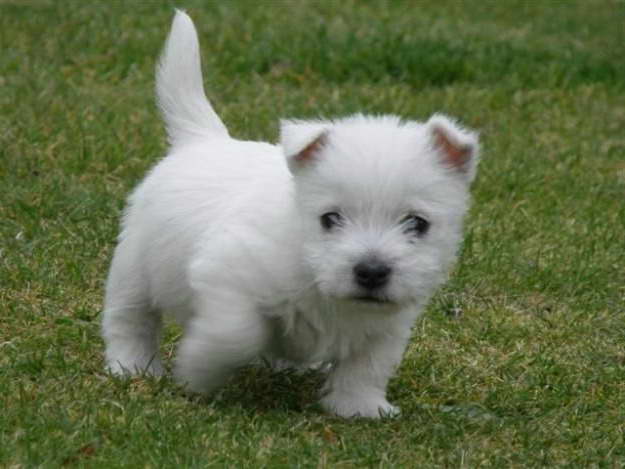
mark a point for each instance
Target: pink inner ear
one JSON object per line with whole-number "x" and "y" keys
{"x": 455, "y": 155}
{"x": 308, "y": 153}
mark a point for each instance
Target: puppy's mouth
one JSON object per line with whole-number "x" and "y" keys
{"x": 372, "y": 298}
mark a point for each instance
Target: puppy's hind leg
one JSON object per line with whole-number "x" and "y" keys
{"x": 226, "y": 333}
{"x": 130, "y": 325}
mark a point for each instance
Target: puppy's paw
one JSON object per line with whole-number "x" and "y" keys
{"x": 359, "y": 405}
{"x": 135, "y": 368}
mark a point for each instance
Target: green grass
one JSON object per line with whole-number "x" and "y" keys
{"x": 520, "y": 360}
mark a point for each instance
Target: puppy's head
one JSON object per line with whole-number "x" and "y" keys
{"x": 381, "y": 202}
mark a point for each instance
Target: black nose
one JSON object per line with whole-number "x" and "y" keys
{"x": 372, "y": 274}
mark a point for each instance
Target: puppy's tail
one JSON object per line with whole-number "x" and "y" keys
{"x": 180, "y": 92}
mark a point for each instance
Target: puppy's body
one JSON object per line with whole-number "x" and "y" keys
{"x": 324, "y": 248}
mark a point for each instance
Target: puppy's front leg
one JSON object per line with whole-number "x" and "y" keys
{"x": 356, "y": 386}
{"x": 226, "y": 332}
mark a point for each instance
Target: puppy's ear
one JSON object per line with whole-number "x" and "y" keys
{"x": 302, "y": 142}
{"x": 456, "y": 147}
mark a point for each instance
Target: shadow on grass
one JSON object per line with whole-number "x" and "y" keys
{"x": 258, "y": 388}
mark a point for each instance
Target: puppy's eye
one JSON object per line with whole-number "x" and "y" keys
{"x": 330, "y": 220}
{"x": 414, "y": 224}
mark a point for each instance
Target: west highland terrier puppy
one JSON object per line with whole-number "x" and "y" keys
{"x": 324, "y": 248}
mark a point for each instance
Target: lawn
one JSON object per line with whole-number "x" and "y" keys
{"x": 520, "y": 358}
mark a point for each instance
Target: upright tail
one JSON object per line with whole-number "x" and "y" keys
{"x": 180, "y": 92}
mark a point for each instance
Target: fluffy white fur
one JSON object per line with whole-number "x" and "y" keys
{"x": 226, "y": 235}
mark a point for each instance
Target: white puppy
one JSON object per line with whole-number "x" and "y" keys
{"x": 324, "y": 248}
